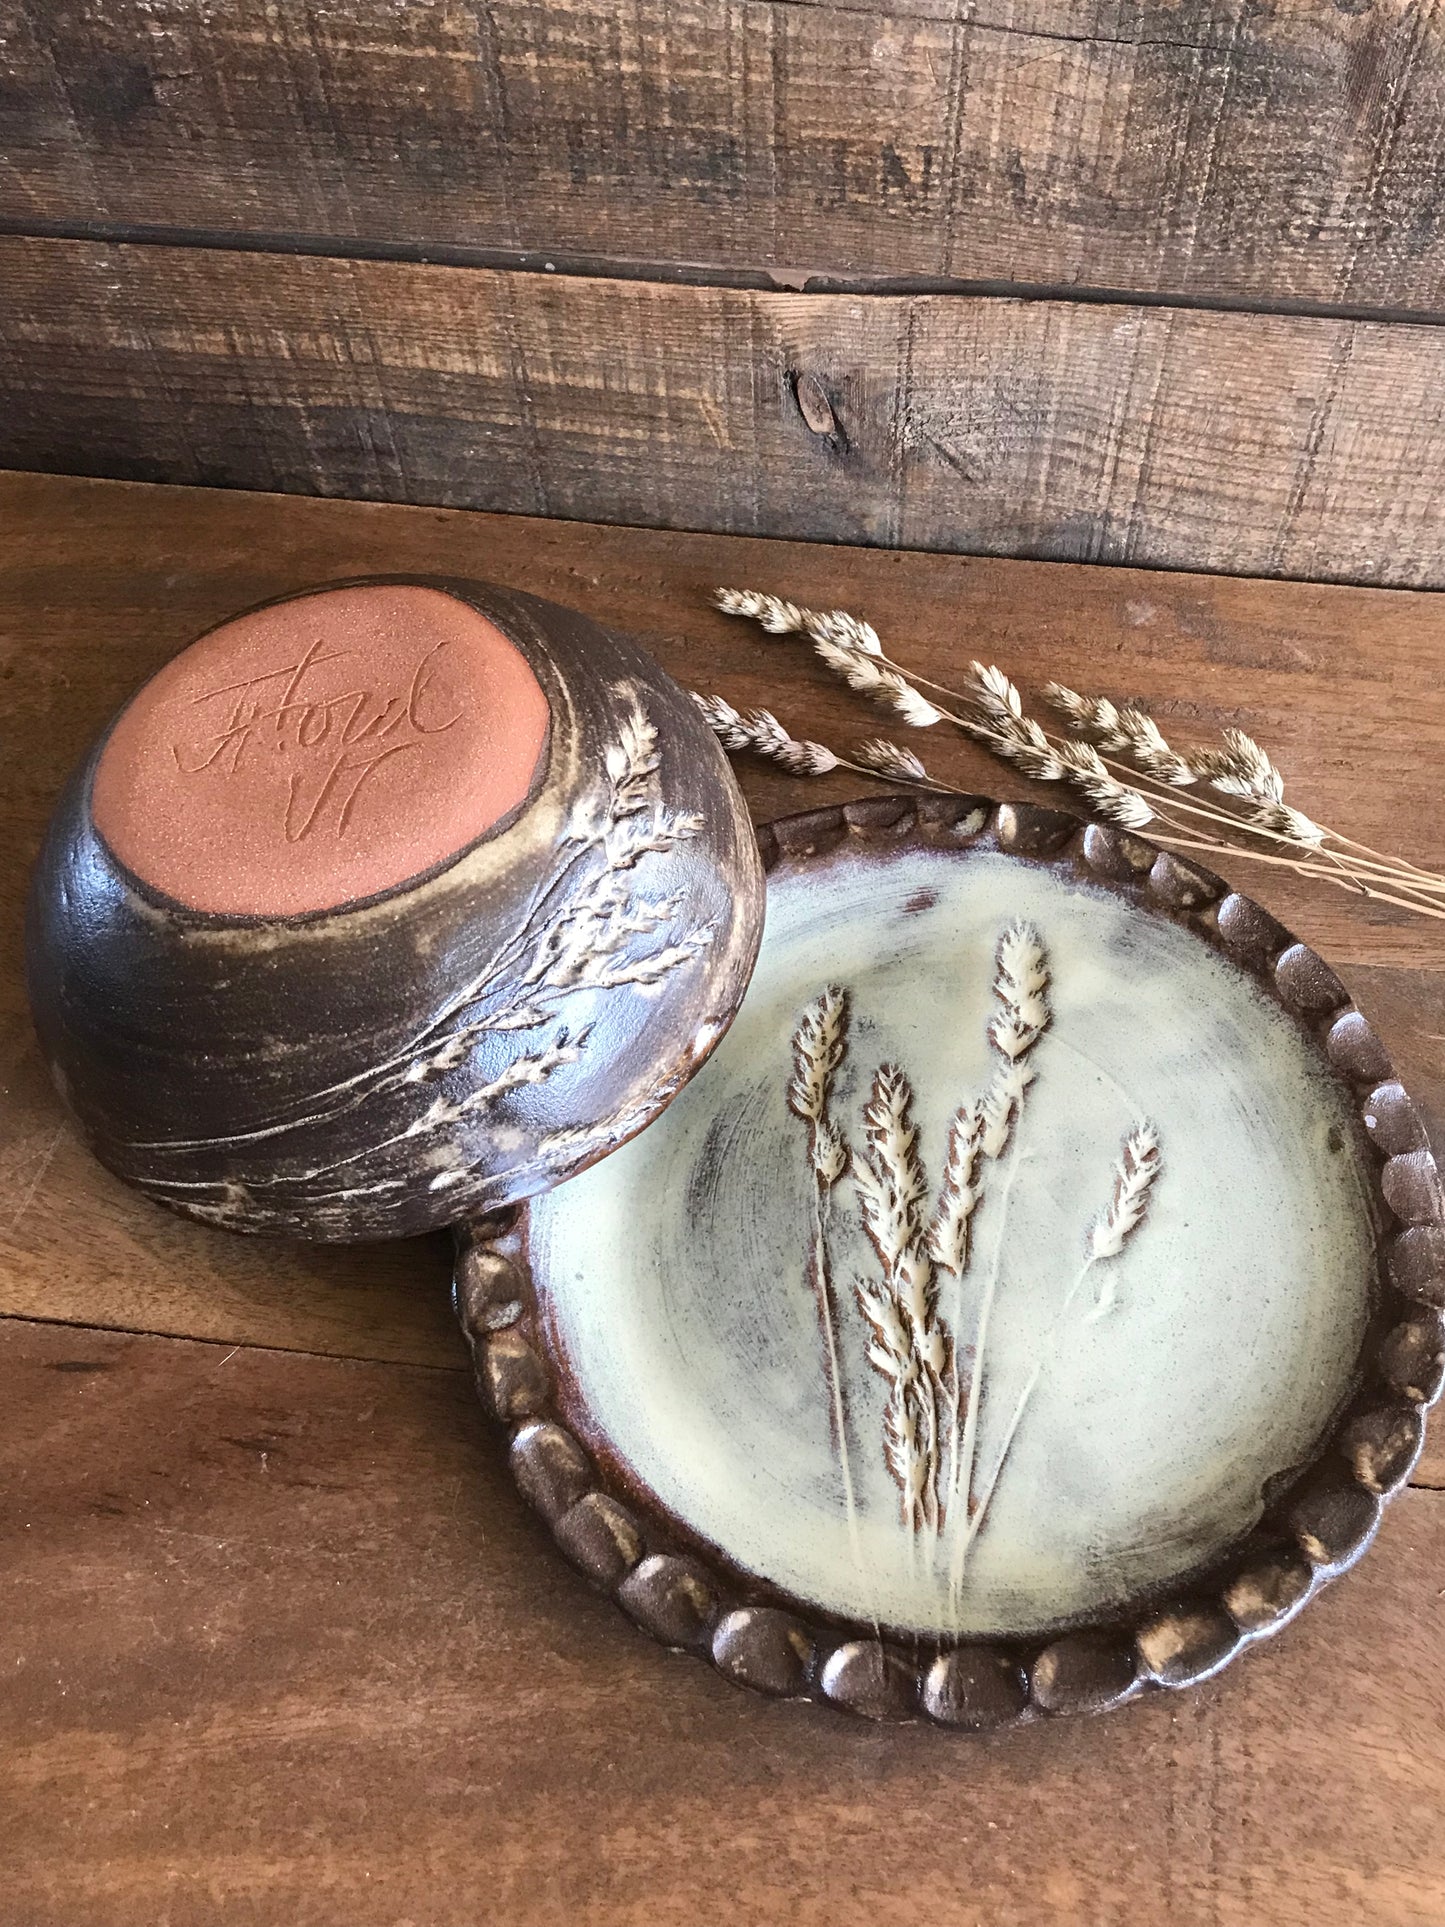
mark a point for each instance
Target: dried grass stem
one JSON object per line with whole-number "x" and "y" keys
{"x": 1118, "y": 759}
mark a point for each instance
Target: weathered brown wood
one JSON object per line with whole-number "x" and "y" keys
{"x": 279, "y": 1643}
{"x": 1267, "y": 444}
{"x": 100, "y": 583}
{"x": 1189, "y": 147}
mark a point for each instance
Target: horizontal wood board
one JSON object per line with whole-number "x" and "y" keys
{"x": 280, "y": 1646}
{"x": 100, "y": 583}
{"x": 1267, "y": 444}
{"x": 1251, "y": 152}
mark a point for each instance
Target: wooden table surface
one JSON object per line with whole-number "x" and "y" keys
{"x": 278, "y": 1641}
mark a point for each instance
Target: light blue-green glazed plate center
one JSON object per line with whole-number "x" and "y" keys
{"x": 1124, "y": 1413}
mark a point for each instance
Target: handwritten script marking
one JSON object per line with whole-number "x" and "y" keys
{"x": 338, "y": 740}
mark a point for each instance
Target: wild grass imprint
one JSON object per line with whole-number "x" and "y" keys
{"x": 926, "y": 1317}
{"x": 592, "y": 929}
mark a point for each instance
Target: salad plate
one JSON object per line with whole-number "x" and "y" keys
{"x": 1034, "y": 1300}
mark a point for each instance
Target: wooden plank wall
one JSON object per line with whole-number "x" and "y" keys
{"x": 1144, "y": 281}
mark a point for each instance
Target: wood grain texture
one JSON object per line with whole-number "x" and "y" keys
{"x": 1191, "y": 147}
{"x": 100, "y": 583}
{"x": 1252, "y": 443}
{"x": 279, "y": 1643}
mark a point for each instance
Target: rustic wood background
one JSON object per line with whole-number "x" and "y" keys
{"x": 280, "y": 1646}
{"x": 1141, "y": 281}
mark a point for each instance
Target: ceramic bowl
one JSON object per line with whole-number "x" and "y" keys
{"x": 386, "y": 903}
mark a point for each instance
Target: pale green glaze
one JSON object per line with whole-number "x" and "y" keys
{"x": 675, "y": 1270}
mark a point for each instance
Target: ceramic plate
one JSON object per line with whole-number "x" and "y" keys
{"x": 1024, "y": 1305}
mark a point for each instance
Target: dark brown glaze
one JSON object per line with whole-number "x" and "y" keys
{"x": 319, "y": 751}
{"x": 454, "y": 1041}
{"x": 1320, "y": 1522}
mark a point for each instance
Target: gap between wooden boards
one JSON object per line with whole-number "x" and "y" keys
{"x": 800, "y": 279}
{"x": 1431, "y": 1479}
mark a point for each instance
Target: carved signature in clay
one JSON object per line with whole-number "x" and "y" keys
{"x": 592, "y": 929}
{"x": 935, "y": 1377}
{"x": 332, "y": 744}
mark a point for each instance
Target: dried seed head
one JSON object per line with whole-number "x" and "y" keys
{"x": 778, "y": 617}
{"x": 991, "y": 689}
{"x": 1126, "y": 731}
{"x": 914, "y": 708}
{"x": 847, "y": 632}
{"x": 890, "y": 759}
{"x": 1084, "y": 713}
{"x": 722, "y": 719}
{"x": 760, "y": 731}
{"x": 857, "y": 668}
{"x": 848, "y": 646}
{"x": 1241, "y": 768}
{"x": 1283, "y": 820}
{"x": 1145, "y": 743}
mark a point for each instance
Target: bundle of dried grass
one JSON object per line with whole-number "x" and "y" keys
{"x": 1115, "y": 757}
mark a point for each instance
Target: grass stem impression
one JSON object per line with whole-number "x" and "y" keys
{"x": 934, "y": 1390}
